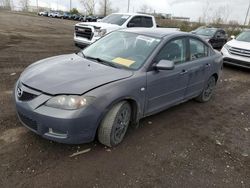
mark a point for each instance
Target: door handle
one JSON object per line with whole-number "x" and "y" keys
{"x": 207, "y": 65}
{"x": 183, "y": 72}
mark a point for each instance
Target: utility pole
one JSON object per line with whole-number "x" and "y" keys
{"x": 247, "y": 13}
{"x": 105, "y": 7}
{"x": 70, "y": 5}
{"x": 128, "y": 5}
{"x": 37, "y": 6}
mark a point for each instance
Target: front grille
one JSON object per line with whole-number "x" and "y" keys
{"x": 27, "y": 96}
{"x": 239, "y": 52}
{"x": 84, "y": 32}
{"x": 235, "y": 61}
{"x": 28, "y": 121}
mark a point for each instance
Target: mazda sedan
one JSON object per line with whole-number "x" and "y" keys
{"x": 112, "y": 84}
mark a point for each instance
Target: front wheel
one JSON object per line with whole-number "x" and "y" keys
{"x": 115, "y": 124}
{"x": 208, "y": 90}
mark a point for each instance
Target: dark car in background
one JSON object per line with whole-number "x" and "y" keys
{"x": 121, "y": 78}
{"x": 89, "y": 18}
{"x": 66, "y": 15}
{"x": 75, "y": 16}
{"x": 217, "y": 37}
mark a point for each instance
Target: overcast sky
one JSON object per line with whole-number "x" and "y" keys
{"x": 187, "y": 8}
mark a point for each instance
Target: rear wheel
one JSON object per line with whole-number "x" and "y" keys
{"x": 208, "y": 90}
{"x": 115, "y": 124}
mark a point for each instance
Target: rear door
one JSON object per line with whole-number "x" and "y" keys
{"x": 200, "y": 66}
{"x": 167, "y": 87}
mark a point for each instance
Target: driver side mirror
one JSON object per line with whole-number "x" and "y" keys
{"x": 165, "y": 65}
{"x": 217, "y": 36}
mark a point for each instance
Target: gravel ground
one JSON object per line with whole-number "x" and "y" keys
{"x": 190, "y": 145}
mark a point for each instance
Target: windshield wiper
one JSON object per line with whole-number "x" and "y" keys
{"x": 102, "y": 61}
{"x": 81, "y": 52}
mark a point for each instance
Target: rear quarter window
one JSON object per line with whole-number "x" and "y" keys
{"x": 148, "y": 22}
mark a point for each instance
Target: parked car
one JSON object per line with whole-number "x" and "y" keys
{"x": 66, "y": 15}
{"x": 201, "y": 27}
{"x": 55, "y": 14}
{"x": 75, "y": 16}
{"x": 125, "y": 76}
{"x": 51, "y": 13}
{"x": 237, "y": 51}
{"x": 91, "y": 18}
{"x": 217, "y": 37}
{"x": 43, "y": 13}
{"x": 87, "y": 33}
{"x": 99, "y": 18}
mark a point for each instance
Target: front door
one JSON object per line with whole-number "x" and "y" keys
{"x": 167, "y": 87}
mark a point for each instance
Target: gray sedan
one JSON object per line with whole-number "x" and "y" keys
{"x": 113, "y": 83}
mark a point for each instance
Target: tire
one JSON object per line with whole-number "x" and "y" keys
{"x": 208, "y": 90}
{"x": 115, "y": 124}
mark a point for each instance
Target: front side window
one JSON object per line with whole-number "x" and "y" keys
{"x": 174, "y": 50}
{"x": 117, "y": 19}
{"x": 124, "y": 49}
{"x": 197, "y": 49}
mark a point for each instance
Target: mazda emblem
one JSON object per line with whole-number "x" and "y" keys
{"x": 19, "y": 92}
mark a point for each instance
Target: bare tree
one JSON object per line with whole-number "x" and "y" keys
{"x": 213, "y": 15}
{"x": 146, "y": 9}
{"x": 220, "y": 15}
{"x": 89, "y": 6}
{"x": 24, "y": 4}
{"x": 106, "y": 7}
{"x": 5, "y": 4}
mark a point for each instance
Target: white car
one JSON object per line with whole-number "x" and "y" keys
{"x": 237, "y": 51}
{"x": 88, "y": 32}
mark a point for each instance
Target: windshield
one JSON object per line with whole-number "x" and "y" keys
{"x": 206, "y": 32}
{"x": 122, "y": 49}
{"x": 245, "y": 36}
{"x": 117, "y": 19}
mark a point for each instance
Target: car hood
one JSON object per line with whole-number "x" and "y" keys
{"x": 70, "y": 74}
{"x": 239, "y": 44}
{"x": 98, "y": 24}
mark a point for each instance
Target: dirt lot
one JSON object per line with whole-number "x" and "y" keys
{"x": 191, "y": 145}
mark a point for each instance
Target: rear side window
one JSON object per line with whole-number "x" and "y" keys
{"x": 136, "y": 22}
{"x": 197, "y": 49}
{"x": 148, "y": 22}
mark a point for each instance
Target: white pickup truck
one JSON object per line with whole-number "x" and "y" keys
{"x": 88, "y": 32}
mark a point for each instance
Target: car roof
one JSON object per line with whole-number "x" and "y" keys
{"x": 133, "y": 14}
{"x": 154, "y": 32}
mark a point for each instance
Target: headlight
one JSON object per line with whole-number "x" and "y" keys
{"x": 227, "y": 46}
{"x": 101, "y": 32}
{"x": 69, "y": 102}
